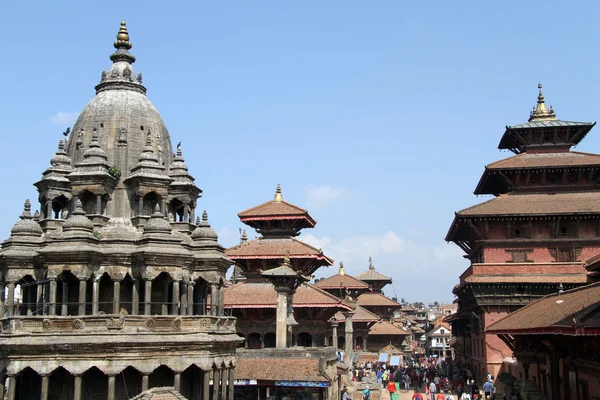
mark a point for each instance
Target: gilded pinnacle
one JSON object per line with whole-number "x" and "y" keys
{"x": 244, "y": 236}
{"x": 122, "y": 38}
{"x": 540, "y": 112}
{"x": 278, "y": 197}
{"x": 342, "y": 272}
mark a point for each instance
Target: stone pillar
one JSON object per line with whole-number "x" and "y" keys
{"x": 349, "y": 336}
{"x": 99, "y": 205}
{"x": 365, "y": 344}
{"x": 214, "y": 299}
{"x": 183, "y": 298}
{"x": 44, "y": 395}
{"x": 221, "y": 306}
{"x": 164, "y": 306}
{"x": 95, "y": 296}
{"x": 177, "y": 381}
{"x": 334, "y": 335}
{"x": 144, "y": 382}
{"x": 12, "y": 387}
{"x": 205, "y": 384}
{"x": 111, "y": 387}
{"x": 140, "y": 205}
{"x": 39, "y": 300}
{"x": 82, "y": 295}
{"x": 116, "y": 295}
{"x": 135, "y": 297}
{"x": 147, "y": 296}
{"x": 11, "y": 299}
{"x": 224, "y": 377}
{"x": 175, "y": 302}
{"x": 190, "y": 300}
{"x": 216, "y": 381}
{"x": 230, "y": 387}
{"x": 281, "y": 332}
{"x": 77, "y": 388}
{"x": 64, "y": 307}
{"x": 49, "y": 212}
{"x": 52, "y": 305}
{"x": 2, "y": 298}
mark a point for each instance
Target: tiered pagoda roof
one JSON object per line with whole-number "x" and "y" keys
{"x": 371, "y": 275}
{"x": 278, "y": 222}
{"x": 341, "y": 280}
{"x": 361, "y": 315}
{"x": 383, "y": 327}
{"x": 263, "y": 295}
{"x": 376, "y": 299}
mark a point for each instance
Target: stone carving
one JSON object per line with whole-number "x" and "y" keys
{"x": 79, "y": 140}
{"x": 122, "y": 138}
{"x": 46, "y": 324}
{"x": 139, "y": 77}
{"x": 177, "y": 324}
{"x": 103, "y": 78}
{"x": 205, "y": 323}
{"x": 78, "y": 324}
{"x": 115, "y": 323}
{"x": 114, "y": 73}
{"x": 126, "y": 73}
{"x": 149, "y": 324}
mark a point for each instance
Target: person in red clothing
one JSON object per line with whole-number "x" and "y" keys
{"x": 391, "y": 387}
{"x": 417, "y": 396}
{"x": 440, "y": 396}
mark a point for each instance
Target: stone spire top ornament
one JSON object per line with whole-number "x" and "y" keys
{"x": 204, "y": 230}
{"x": 540, "y": 112}
{"x": 122, "y": 38}
{"x": 26, "y": 226}
{"x": 371, "y": 266}
{"x": 342, "y": 271}
{"x": 278, "y": 197}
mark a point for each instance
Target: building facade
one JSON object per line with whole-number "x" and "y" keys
{"x": 531, "y": 238}
{"x": 115, "y": 276}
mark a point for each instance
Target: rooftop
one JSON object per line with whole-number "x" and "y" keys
{"x": 276, "y": 248}
{"x": 383, "y": 327}
{"x": 341, "y": 280}
{"x": 263, "y": 295}
{"x": 374, "y": 299}
{"x": 572, "y": 312}
{"x": 372, "y": 275}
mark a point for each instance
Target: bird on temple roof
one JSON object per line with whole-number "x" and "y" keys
{"x": 66, "y": 133}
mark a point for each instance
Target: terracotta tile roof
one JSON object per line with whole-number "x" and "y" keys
{"x": 573, "y": 312}
{"x": 391, "y": 350}
{"x": 537, "y": 204}
{"x": 376, "y": 299}
{"x": 276, "y": 248}
{"x": 337, "y": 281}
{"x": 160, "y": 393}
{"x": 263, "y": 295}
{"x": 279, "y": 369}
{"x": 272, "y": 210}
{"x": 383, "y": 327}
{"x": 537, "y": 160}
{"x": 545, "y": 278}
{"x": 360, "y": 315}
{"x": 372, "y": 275}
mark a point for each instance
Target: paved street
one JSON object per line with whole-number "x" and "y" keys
{"x": 385, "y": 395}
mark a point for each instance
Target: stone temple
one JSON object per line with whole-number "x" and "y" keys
{"x": 112, "y": 289}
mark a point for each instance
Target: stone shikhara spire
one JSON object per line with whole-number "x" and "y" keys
{"x": 102, "y": 265}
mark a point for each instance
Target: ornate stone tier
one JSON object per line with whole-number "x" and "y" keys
{"x": 118, "y": 324}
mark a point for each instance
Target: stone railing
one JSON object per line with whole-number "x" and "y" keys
{"x": 118, "y": 323}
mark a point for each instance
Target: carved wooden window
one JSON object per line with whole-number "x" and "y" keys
{"x": 564, "y": 255}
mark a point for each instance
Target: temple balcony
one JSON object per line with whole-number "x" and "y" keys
{"x": 118, "y": 323}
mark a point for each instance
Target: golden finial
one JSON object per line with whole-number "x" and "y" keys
{"x": 278, "y": 197}
{"x": 540, "y": 112}
{"x": 244, "y": 236}
{"x": 122, "y": 38}
{"x": 371, "y": 266}
{"x": 342, "y": 272}
{"x": 286, "y": 260}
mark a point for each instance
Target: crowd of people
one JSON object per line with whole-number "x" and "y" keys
{"x": 430, "y": 378}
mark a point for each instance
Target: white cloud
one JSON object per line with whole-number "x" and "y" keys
{"x": 420, "y": 271}
{"x": 64, "y": 119}
{"x": 323, "y": 195}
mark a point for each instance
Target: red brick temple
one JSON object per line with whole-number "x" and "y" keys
{"x": 531, "y": 238}
{"x": 263, "y": 370}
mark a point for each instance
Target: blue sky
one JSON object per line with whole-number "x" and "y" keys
{"x": 378, "y": 117}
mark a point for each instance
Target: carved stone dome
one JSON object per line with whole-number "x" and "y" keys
{"x": 122, "y": 115}
{"x": 204, "y": 230}
{"x": 26, "y": 226}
